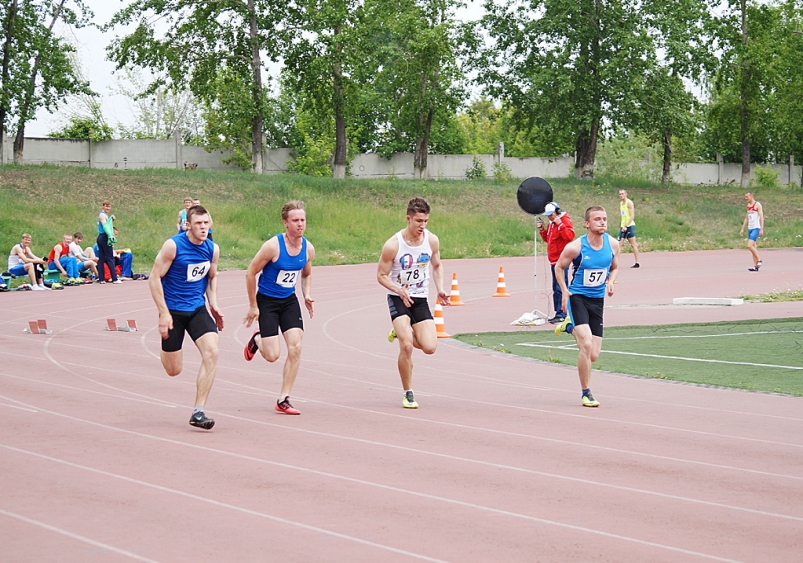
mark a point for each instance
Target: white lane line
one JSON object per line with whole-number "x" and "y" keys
{"x": 658, "y": 337}
{"x": 233, "y": 507}
{"x": 71, "y": 535}
{"x": 534, "y": 345}
{"x": 316, "y": 472}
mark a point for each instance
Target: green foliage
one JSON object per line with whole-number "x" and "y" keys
{"x": 92, "y": 127}
{"x": 631, "y": 157}
{"x": 766, "y": 177}
{"x": 477, "y": 170}
{"x": 502, "y": 173}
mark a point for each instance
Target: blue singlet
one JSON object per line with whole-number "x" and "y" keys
{"x": 185, "y": 282}
{"x": 279, "y": 278}
{"x": 592, "y": 268}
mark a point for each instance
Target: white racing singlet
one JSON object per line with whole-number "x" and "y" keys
{"x": 411, "y": 266}
{"x": 753, "y": 218}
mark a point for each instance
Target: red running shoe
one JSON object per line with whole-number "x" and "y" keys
{"x": 251, "y": 347}
{"x": 286, "y": 408}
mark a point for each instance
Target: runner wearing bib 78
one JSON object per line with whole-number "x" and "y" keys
{"x": 596, "y": 259}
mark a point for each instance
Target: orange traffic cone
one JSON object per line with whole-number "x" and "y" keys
{"x": 454, "y": 297}
{"x": 501, "y": 289}
{"x": 440, "y": 328}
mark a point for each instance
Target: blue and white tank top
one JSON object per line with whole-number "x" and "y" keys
{"x": 411, "y": 266}
{"x": 185, "y": 282}
{"x": 182, "y": 220}
{"x": 279, "y": 278}
{"x": 592, "y": 268}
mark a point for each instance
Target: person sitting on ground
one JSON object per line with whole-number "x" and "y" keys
{"x": 85, "y": 261}
{"x": 23, "y": 261}
{"x": 60, "y": 259}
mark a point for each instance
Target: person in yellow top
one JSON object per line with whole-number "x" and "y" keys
{"x": 628, "y": 225}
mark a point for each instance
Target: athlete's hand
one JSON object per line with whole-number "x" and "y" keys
{"x": 251, "y": 316}
{"x": 405, "y": 297}
{"x": 761, "y": 233}
{"x": 443, "y": 298}
{"x": 610, "y": 288}
{"x": 165, "y": 324}
{"x": 217, "y": 314}
{"x": 565, "y": 300}
{"x": 309, "y": 304}
{"x": 741, "y": 233}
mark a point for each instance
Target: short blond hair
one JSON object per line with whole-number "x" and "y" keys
{"x": 292, "y": 206}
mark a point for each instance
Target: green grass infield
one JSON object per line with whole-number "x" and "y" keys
{"x": 758, "y": 355}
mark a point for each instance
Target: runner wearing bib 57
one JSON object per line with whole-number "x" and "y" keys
{"x": 596, "y": 259}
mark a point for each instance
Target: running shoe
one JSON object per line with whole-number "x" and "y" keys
{"x": 635, "y": 265}
{"x": 200, "y": 420}
{"x": 392, "y": 335}
{"x": 590, "y": 401}
{"x": 563, "y": 326}
{"x": 251, "y": 347}
{"x": 286, "y": 408}
{"x": 756, "y": 267}
{"x": 557, "y": 319}
{"x": 118, "y": 281}
{"x": 37, "y": 288}
{"x": 409, "y": 400}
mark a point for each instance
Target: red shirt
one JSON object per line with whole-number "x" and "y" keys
{"x": 65, "y": 251}
{"x": 557, "y": 236}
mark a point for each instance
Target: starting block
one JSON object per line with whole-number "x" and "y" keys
{"x": 130, "y": 326}
{"x": 38, "y": 327}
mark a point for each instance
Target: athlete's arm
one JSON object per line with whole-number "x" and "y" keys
{"x": 566, "y": 229}
{"x": 306, "y": 280}
{"x": 760, "y": 209}
{"x": 437, "y": 268}
{"x": 268, "y": 253}
{"x": 569, "y": 253}
{"x": 178, "y": 223}
{"x": 386, "y": 259}
{"x": 614, "y": 271}
{"x": 211, "y": 290}
{"x": 632, "y": 210}
{"x": 160, "y": 267}
{"x": 744, "y": 224}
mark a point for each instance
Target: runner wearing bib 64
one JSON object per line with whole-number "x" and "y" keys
{"x": 596, "y": 259}
{"x": 408, "y": 261}
{"x": 282, "y": 262}
{"x": 184, "y": 271}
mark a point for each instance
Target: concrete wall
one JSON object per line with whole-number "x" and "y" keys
{"x": 149, "y": 153}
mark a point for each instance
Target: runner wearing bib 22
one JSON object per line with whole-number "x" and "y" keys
{"x": 282, "y": 262}
{"x": 596, "y": 256}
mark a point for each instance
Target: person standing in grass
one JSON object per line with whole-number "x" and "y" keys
{"x": 283, "y": 261}
{"x": 627, "y": 228}
{"x": 181, "y": 223}
{"x": 596, "y": 258}
{"x": 106, "y": 240}
{"x": 754, "y": 221}
{"x": 184, "y": 272}
{"x": 408, "y": 260}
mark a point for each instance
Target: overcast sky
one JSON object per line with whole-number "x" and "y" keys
{"x": 91, "y": 45}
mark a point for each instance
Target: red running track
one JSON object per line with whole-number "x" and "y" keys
{"x": 500, "y": 463}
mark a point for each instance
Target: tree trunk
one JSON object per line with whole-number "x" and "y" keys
{"x": 666, "y": 174}
{"x": 339, "y": 164}
{"x": 4, "y": 94}
{"x": 256, "y": 91}
{"x": 425, "y": 116}
{"x": 744, "y": 116}
{"x": 19, "y": 140}
{"x": 586, "y": 152}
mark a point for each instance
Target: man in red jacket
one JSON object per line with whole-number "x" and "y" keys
{"x": 557, "y": 235}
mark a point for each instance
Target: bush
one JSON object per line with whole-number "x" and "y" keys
{"x": 477, "y": 170}
{"x": 766, "y": 177}
{"x": 502, "y": 173}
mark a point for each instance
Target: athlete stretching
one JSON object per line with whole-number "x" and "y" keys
{"x": 596, "y": 258}
{"x": 185, "y": 269}
{"x": 282, "y": 260}
{"x": 404, "y": 270}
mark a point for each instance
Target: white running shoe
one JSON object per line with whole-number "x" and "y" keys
{"x": 37, "y": 288}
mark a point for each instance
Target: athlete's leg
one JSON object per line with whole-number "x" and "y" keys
{"x": 292, "y": 338}
{"x": 751, "y": 246}
{"x": 406, "y": 338}
{"x": 91, "y": 266}
{"x": 31, "y": 269}
{"x": 173, "y": 362}
{"x": 269, "y": 347}
{"x": 208, "y": 346}
{"x": 634, "y": 246}
{"x": 585, "y": 344}
{"x": 425, "y": 336}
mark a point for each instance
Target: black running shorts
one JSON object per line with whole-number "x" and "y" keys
{"x": 587, "y": 311}
{"x": 417, "y": 313}
{"x": 276, "y": 313}
{"x": 196, "y": 323}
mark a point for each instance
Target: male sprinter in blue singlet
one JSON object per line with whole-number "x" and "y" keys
{"x": 185, "y": 269}
{"x": 409, "y": 258}
{"x": 596, "y": 259}
{"x": 282, "y": 260}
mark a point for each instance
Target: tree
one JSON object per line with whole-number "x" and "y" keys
{"x": 204, "y": 42}
{"x": 90, "y": 126}
{"x": 570, "y": 67}
{"x": 37, "y": 69}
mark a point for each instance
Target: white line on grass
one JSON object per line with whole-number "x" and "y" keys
{"x": 534, "y": 345}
